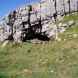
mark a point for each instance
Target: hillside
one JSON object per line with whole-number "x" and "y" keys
{"x": 53, "y": 59}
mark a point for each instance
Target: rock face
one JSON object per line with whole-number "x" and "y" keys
{"x": 28, "y": 22}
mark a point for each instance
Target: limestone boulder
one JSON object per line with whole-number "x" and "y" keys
{"x": 17, "y": 36}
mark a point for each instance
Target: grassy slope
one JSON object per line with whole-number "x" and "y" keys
{"x": 48, "y": 60}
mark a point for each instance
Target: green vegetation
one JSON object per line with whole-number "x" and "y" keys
{"x": 70, "y": 17}
{"x": 52, "y": 59}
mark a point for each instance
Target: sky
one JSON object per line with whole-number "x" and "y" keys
{"x": 8, "y": 5}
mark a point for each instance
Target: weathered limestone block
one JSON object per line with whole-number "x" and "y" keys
{"x": 59, "y": 17}
{"x": 24, "y": 12}
{"x": 17, "y": 23}
{"x": 51, "y": 32}
{"x": 5, "y": 31}
{"x": 25, "y": 18}
{"x": 45, "y": 27}
{"x": 1, "y": 34}
{"x": 33, "y": 18}
{"x": 17, "y": 36}
{"x": 26, "y": 26}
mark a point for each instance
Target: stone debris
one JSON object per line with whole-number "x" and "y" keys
{"x": 58, "y": 39}
{"x": 71, "y": 22}
{"x": 27, "y": 71}
{"x": 5, "y": 43}
{"x": 62, "y": 29}
{"x": 35, "y": 41}
{"x": 75, "y": 35}
{"x": 60, "y": 24}
{"x": 65, "y": 25}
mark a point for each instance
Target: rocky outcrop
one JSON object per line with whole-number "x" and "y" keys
{"x": 30, "y": 22}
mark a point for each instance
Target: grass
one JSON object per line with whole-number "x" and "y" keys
{"x": 70, "y": 17}
{"x": 47, "y": 60}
